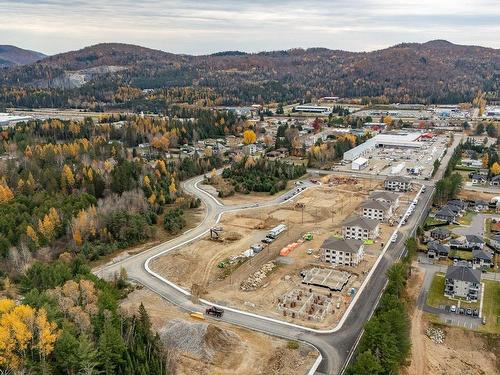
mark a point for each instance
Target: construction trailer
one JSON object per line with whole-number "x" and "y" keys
{"x": 276, "y": 231}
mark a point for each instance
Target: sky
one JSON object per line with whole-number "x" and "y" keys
{"x": 208, "y": 26}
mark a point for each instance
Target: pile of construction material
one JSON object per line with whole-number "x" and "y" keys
{"x": 342, "y": 180}
{"x": 255, "y": 280}
{"x": 305, "y": 304}
{"x": 199, "y": 340}
{"x": 435, "y": 334}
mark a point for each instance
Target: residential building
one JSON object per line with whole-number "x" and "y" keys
{"x": 462, "y": 281}
{"x": 480, "y": 205}
{"x": 397, "y": 183}
{"x": 473, "y": 242}
{"x": 478, "y": 179}
{"x": 376, "y": 210}
{"x": 460, "y": 204}
{"x": 343, "y": 252}
{"x": 360, "y": 228}
{"x": 472, "y": 163}
{"x": 447, "y": 214}
{"x": 495, "y": 241}
{"x": 437, "y": 250}
{"x": 495, "y": 181}
{"x": 482, "y": 258}
{"x": 440, "y": 233}
{"x": 386, "y": 197}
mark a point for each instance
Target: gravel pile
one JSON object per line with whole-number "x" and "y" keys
{"x": 201, "y": 340}
{"x": 435, "y": 334}
{"x": 255, "y": 280}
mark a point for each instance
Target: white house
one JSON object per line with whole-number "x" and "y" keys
{"x": 343, "y": 252}
{"x": 360, "y": 228}
{"x": 376, "y": 210}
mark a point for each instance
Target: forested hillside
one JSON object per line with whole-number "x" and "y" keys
{"x": 115, "y": 75}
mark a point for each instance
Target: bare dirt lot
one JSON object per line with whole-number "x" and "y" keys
{"x": 212, "y": 347}
{"x": 462, "y": 352}
{"x": 207, "y": 267}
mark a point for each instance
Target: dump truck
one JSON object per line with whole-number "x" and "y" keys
{"x": 214, "y": 311}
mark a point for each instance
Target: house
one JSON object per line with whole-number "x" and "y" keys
{"x": 456, "y": 243}
{"x": 397, "y": 183}
{"x": 474, "y": 163}
{"x": 446, "y": 213}
{"x": 250, "y": 149}
{"x": 437, "y": 250}
{"x": 462, "y": 281}
{"x": 482, "y": 258}
{"x": 343, "y": 252}
{"x": 376, "y": 210}
{"x": 460, "y": 204}
{"x": 473, "y": 242}
{"x": 495, "y": 181}
{"x": 480, "y": 205}
{"x": 360, "y": 228}
{"x": 440, "y": 233}
{"x": 386, "y": 197}
{"x": 495, "y": 241}
{"x": 478, "y": 179}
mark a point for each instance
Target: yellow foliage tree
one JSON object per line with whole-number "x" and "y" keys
{"x": 172, "y": 188}
{"x": 67, "y": 176}
{"x": 31, "y": 233}
{"x": 485, "y": 159}
{"x": 249, "y": 137}
{"x": 22, "y": 329}
{"x": 5, "y": 193}
{"x": 495, "y": 168}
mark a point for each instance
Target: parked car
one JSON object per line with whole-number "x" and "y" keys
{"x": 469, "y": 311}
{"x": 453, "y": 308}
{"x": 461, "y": 311}
{"x": 475, "y": 312}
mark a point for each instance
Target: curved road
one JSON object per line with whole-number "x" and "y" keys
{"x": 335, "y": 345}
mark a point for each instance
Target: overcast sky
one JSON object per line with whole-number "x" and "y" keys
{"x": 207, "y": 26}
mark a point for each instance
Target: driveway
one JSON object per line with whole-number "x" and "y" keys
{"x": 476, "y": 226}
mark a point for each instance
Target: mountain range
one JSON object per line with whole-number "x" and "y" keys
{"x": 436, "y": 71}
{"x": 11, "y": 56}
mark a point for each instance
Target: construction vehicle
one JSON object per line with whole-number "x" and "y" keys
{"x": 214, "y": 311}
{"x": 215, "y": 233}
{"x": 308, "y": 236}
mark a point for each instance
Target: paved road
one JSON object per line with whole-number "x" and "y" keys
{"x": 476, "y": 226}
{"x": 335, "y": 345}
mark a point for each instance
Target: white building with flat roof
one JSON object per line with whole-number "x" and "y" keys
{"x": 398, "y": 140}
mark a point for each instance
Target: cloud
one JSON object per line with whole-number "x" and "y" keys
{"x": 196, "y": 27}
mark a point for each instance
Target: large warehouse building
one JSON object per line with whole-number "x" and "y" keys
{"x": 396, "y": 140}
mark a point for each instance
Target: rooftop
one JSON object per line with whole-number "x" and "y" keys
{"x": 463, "y": 273}
{"x": 359, "y": 221}
{"x": 347, "y": 246}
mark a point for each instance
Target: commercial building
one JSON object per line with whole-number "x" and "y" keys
{"x": 462, "y": 281}
{"x": 343, "y": 252}
{"x": 397, "y": 140}
{"x": 313, "y": 109}
{"x": 359, "y": 164}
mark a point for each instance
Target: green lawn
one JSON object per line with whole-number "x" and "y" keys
{"x": 467, "y": 218}
{"x": 462, "y": 254}
{"x": 491, "y": 307}
{"x": 436, "y": 297}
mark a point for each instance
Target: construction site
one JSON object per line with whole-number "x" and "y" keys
{"x": 240, "y": 264}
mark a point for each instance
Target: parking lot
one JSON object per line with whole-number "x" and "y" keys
{"x": 460, "y": 320}
{"x": 409, "y": 162}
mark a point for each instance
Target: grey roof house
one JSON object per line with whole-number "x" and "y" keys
{"x": 462, "y": 281}
{"x": 343, "y": 252}
{"x": 440, "y": 233}
{"x": 437, "y": 250}
{"x": 482, "y": 258}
